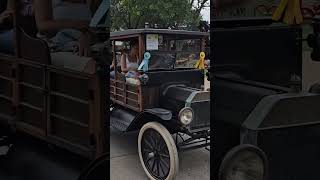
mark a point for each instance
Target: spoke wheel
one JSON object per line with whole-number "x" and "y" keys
{"x": 158, "y": 152}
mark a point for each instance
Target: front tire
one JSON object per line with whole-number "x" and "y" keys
{"x": 158, "y": 152}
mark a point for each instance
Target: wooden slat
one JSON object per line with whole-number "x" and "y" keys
{"x": 31, "y": 130}
{"x": 26, "y": 62}
{"x": 125, "y": 94}
{"x": 6, "y": 78}
{"x": 69, "y": 120}
{"x": 131, "y": 92}
{"x": 7, "y": 58}
{"x": 69, "y": 97}
{"x": 6, "y": 97}
{"x": 31, "y": 106}
{"x": 126, "y": 105}
{"x": 133, "y": 100}
{"x": 31, "y": 86}
{"x": 119, "y": 88}
{"x": 120, "y": 95}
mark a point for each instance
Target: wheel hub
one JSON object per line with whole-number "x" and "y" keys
{"x": 151, "y": 155}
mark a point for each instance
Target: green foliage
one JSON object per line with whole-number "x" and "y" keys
{"x": 174, "y": 14}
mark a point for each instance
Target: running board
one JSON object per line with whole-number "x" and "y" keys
{"x": 121, "y": 120}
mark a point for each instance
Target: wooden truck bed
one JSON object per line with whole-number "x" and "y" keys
{"x": 135, "y": 97}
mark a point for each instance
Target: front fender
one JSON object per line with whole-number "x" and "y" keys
{"x": 154, "y": 114}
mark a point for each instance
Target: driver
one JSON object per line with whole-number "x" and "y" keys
{"x": 129, "y": 61}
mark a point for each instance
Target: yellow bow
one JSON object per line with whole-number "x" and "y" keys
{"x": 200, "y": 63}
{"x": 290, "y": 10}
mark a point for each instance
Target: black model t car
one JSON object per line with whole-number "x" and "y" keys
{"x": 265, "y": 126}
{"x": 166, "y": 103}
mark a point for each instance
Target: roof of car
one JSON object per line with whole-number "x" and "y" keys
{"x": 129, "y": 32}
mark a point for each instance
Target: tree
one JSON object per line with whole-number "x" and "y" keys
{"x": 197, "y": 7}
{"x": 174, "y": 14}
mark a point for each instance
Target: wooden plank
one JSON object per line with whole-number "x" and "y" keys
{"x": 26, "y": 62}
{"x": 31, "y": 130}
{"x": 125, "y": 94}
{"x": 6, "y": 97}
{"x": 126, "y": 105}
{"x": 134, "y": 93}
{"x": 134, "y": 100}
{"x": 31, "y": 86}
{"x": 120, "y": 95}
{"x": 120, "y": 88}
{"x": 6, "y": 78}
{"x": 31, "y": 106}
{"x": 8, "y": 58}
{"x": 70, "y": 120}
{"x": 54, "y": 93}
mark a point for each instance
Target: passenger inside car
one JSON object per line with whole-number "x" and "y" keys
{"x": 129, "y": 61}
{"x": 64, "y": 25}
{"x": 6, "y": 22}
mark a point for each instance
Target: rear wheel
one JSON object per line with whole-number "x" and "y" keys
{"x": 158, "y": 152}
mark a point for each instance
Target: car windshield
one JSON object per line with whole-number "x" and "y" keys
{"x": 172, "y": 52}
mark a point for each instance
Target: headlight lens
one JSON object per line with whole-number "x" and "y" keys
{"x": 186, "y": 115}
{"x": 244, "y": 162}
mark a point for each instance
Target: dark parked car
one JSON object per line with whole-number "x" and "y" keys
{"x": 266, "y": 127}
{"x": 166, "y": 103}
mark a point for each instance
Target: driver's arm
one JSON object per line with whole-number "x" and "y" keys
{"x": 123, "y": 63}
{"x": 112, "y": 65}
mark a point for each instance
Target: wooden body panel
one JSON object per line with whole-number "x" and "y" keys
{"x": 57, "y": 105}
{"x": 134, "y": 97}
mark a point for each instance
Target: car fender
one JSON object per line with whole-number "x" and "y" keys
{"x": 153, "y": 114}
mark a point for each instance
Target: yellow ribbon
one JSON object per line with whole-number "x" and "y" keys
{"x": 200, "y": 63}
{"x": 290, "y": 10}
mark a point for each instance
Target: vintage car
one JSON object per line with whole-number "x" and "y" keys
{"x": 266, "y": 127}
{"x": 166, "y": 103}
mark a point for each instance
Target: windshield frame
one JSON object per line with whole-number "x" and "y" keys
{"x": 175, "y": 37}
{"x": 142, "y": 43}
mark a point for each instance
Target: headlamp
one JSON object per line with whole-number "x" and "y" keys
{"x": 186, "y": 115}
{"x": 244, "y": 162}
